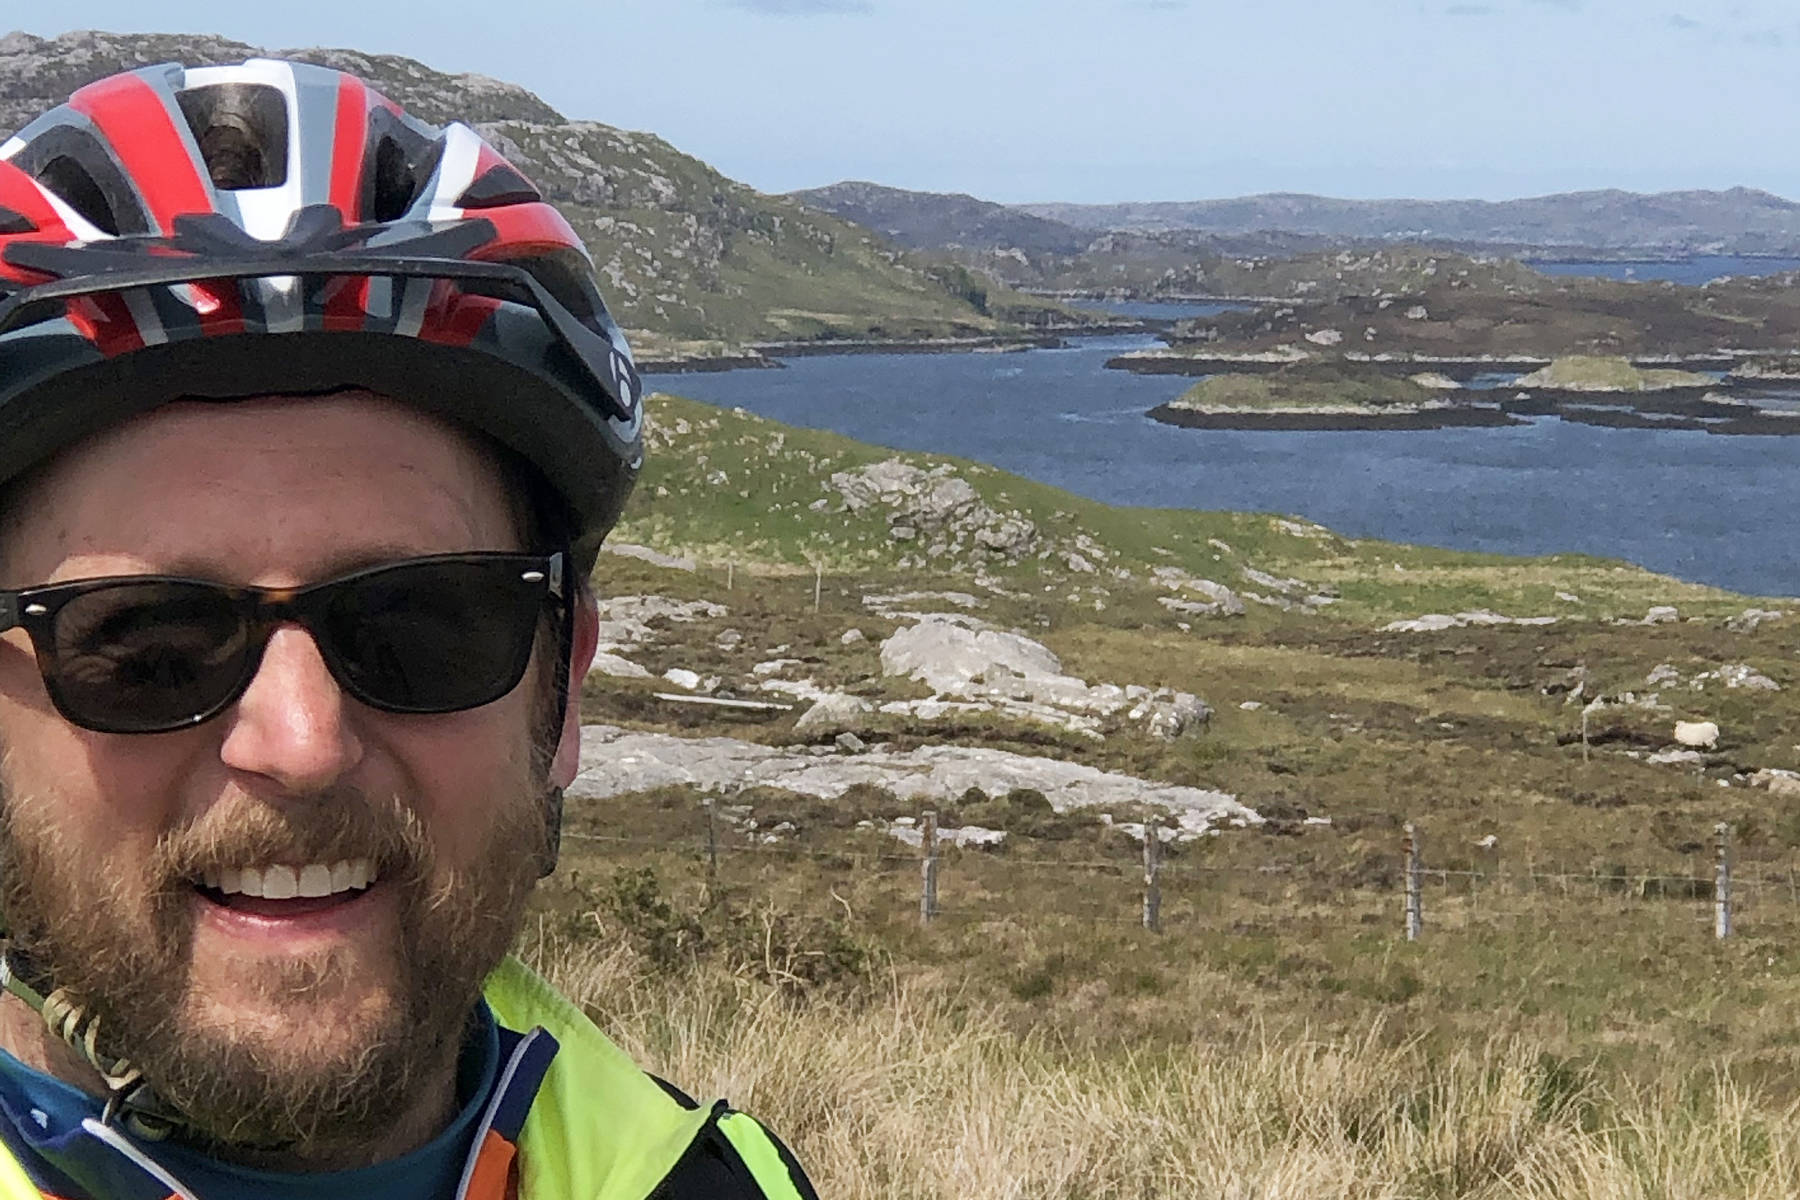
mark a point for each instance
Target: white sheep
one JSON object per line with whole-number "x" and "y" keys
{"x": 1701, "y": 735}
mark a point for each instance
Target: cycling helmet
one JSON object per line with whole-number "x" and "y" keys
{"x": 279, "y": 227}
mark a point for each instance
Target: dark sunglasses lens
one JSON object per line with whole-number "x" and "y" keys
{"x": 140, "y": 657}
{"x": 433, "y": 636}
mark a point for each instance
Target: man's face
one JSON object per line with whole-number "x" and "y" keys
{"x": 281, "y": 1022}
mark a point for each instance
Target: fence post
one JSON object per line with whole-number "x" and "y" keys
{"x": 1722, "y": 881}
{"x": 1415, "y": 911}
{"x": 1152, "y": 886}
{"x": 928, "y": 869}
{"x": 730, "y": 573}
{"x": 818, "y": 584}
{"x": 712, "y": 842}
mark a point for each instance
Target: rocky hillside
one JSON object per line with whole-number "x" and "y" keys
{"x": 691, "y": 260}
{"x": 1739, "y": 221}
{"x": 934, "y": 220}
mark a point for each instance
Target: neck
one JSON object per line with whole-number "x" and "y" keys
{"x": 25, "y": 1036}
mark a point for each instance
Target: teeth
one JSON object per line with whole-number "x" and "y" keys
{"x": 282, "y": 882}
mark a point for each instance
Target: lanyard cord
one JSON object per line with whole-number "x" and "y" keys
{"x": 130, "y": 1099}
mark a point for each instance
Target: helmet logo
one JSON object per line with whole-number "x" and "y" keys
{"x": 626, "y": 381}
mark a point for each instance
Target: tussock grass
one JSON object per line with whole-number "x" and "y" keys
{"x": 915, "y": 1091}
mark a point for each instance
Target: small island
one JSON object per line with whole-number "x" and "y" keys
{"x": 1325, "y": 398}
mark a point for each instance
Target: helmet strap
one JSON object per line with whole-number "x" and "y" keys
{"x": 565, "y": 667}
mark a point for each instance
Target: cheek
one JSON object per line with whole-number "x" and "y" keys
{"x": 462, "y": 769}
{"x": 111, "y": 797}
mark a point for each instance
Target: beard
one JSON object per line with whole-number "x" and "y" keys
{"x": 344, "y": 1055}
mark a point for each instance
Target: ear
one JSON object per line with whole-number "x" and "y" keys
{"x": 584, "y": 641}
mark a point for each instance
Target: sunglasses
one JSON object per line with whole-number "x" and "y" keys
{"x": 153, "y": 653}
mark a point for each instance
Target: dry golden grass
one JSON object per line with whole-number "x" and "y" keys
{"x": 915, "y": 1092}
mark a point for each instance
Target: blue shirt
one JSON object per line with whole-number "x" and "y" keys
{"x": 40, "y": 1121}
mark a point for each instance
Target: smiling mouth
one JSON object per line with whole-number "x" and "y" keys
{"x": 283, "y": 890}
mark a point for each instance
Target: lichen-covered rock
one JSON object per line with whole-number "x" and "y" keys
{"x": 935, "y": 502}
{"x": 980, "y": 668}
{"x": 837, "y": 712}
{"x": 616, "y": 761}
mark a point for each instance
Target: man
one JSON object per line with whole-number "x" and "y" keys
{"x": 311, "y": 423}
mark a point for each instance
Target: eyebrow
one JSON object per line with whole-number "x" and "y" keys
{"x": 331, "y": 567}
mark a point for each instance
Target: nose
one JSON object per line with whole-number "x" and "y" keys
{"x": 293, "y": 724}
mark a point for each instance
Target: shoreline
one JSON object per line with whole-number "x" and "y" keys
{"x": 1299, "y": 421}
{"x": 1156, "y": 362}
{"x": 770, "y": 354}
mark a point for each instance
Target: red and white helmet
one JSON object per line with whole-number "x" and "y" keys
{"x": 278, "y": 227}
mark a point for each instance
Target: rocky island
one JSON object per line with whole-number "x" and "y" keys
{"x": 1325, "y": 398}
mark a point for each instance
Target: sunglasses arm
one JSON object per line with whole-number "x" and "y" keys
{"x": 9, "y": 611}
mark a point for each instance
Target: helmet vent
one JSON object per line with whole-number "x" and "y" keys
{"x": 242, "y": 132}
{"x": 498, "y": 187}
{"x": 402, "y": 160}
{"x": 80, "y": 191}
{"x": 15, "y": 222}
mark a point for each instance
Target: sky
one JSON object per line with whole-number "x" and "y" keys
{"x": 1100, "y": 101}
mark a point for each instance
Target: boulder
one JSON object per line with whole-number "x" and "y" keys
{"x": 974, "y": 667}
{"x": 837, "y": 712}
{"x": 1743, "y": 675}
{"x": 947, "y": 657}
{"x": 1752, "y": 619}
{"x": 606, "y": 663}
{"x": 1170, "y": 714}
{"x": 1778, "y": 782}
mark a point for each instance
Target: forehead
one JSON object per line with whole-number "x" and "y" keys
{"x": 272, "y": 490}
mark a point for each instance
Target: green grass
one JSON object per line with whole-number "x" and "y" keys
{"x": 1299, "y": 388}
{"x": 1609, "y": 374}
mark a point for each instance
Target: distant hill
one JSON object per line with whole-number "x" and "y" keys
{"x": 690, "y": 260}
{"x": 934, "y": 220}
{"x": 1739, "y": 221}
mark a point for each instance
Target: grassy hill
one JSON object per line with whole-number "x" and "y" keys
{"x": 726, "y": 485}
{"x": 686, "y": 256}
{"x": 1567, "y": 1026}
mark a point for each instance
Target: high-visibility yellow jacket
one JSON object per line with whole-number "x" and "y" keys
{"x": 571, "y": 1118}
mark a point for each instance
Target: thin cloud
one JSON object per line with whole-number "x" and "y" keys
{"x": 801, "y": 8}
{"x": 1565, "y": 5}
{"x": 1683, "y": 21}
{"x": 1159, "y": 5}
{"x": 1469, "y": 10}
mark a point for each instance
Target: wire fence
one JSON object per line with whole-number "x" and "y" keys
{"x": 1403, "y": 894}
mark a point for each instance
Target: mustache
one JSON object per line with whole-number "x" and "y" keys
{"x": 339, "y": 823}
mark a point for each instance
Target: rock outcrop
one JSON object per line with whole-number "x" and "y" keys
{"x": 938, "y": 508}
{"x": 970, "y": 666}
{"x": 616, "y": 762}
{"x": 627, "y": 622}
